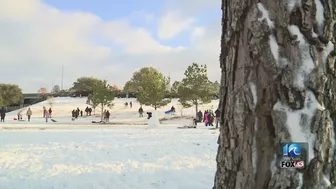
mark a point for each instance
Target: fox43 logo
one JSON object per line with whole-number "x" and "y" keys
{"x": 292, "y": 156}
{"x": 297, "y": 164}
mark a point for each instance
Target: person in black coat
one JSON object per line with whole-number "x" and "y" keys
{"x": 107, "y": 115}
{"x": 199, "y": 116}
{"x": 77, "y": 112}
{"x": 218, "y": 114}
{"x": 205, "y": 112}
{"x": 141, "y": 112}
{"x": 73, "y": 114}
{"x": 90, "y": 111}
{"x": 87, "y": 111}
{"x": 2, "y": 114}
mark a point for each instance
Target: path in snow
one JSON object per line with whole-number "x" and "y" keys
{"x": 108, "y": 159}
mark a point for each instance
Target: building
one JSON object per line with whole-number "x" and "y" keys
{"x": 31, "y": 98}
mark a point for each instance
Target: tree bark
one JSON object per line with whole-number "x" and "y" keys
{"x": 265, "y": 81}
{"x": 102, "y": 113}
{"x": 196, "y": 107}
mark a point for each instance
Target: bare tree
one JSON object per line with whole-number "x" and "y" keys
{"x": 278, "y": 85}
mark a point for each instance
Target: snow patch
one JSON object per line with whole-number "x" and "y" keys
{"x": 254, "y": 148}
{"x": 294, "y": 118}
{"x": 319, "y": 15}
{"x": 326, "y": 181}
{"x": 265, "y": 15}
{"x": 274, "y": 48}
{"x": 327, "y": 50}
{"x": 254, "y": 93}
{"x": 332, "y": 135}
{"x": 329, "y": 167}
{"x": 272, "y": 41}
{"x": 154, "y": 120}
{"x": 314, "y": 34}
{"x": 300, "y": 181}
{"x": 307, "y": 62}
{"x": 283, "y": 62}
{"x": 274, "y": 167}
{"x": 254, "y": 155}
{"x": 293, "y": 4}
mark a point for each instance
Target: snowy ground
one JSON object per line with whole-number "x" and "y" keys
{"x": 115, "y": 158}
{"x": 80, "y": 155}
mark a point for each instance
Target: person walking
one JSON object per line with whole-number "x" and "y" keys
{"x": 47, "y": 116}
{"x": 44, "y": 111}
{"x": 49, "y": 112}
{"x": 2, "y": 114}
{"x": 29, "y": 114}
{"x": 141, "y": 112}
{"x": 86, "y": 111}
{"x": 107, "y": 115}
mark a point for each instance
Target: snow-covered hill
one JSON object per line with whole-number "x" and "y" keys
{"x": 62, "y": 107}
{"x": 83, "y": 155}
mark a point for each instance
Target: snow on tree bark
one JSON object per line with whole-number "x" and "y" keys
{"x": 285, "y": 49}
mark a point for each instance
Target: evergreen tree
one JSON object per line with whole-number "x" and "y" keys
{"x": 103, "y": 96}
{"x": 195, "y": 88}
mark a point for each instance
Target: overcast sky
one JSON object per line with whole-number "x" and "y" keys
{"x": 107, "y": 39}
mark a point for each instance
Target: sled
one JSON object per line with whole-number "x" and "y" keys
{"x": 99, "y": 122}
{"x": 53, "y": 120}
{"x": 212, "y": 128}
{"x": 168, "y": 112}
{"x": 187, "y": 127}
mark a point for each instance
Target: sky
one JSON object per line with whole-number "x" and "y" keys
{"x": 106, "y": 39}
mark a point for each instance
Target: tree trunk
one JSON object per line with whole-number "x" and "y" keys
{"x": 102, "y": 113}
{"x": 196, "y": 106}
{"x": 278, "y": 84}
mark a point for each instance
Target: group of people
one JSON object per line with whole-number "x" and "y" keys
{"x": 79, "y": 113}
{"x": 76, "y": 113}
{"x": 208, "y": 118}
{"x": 130, "y": 104}
{"x": 88, "y": 111}
{"x": 29, "y": 113}
{"x": 47, "y": 113}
